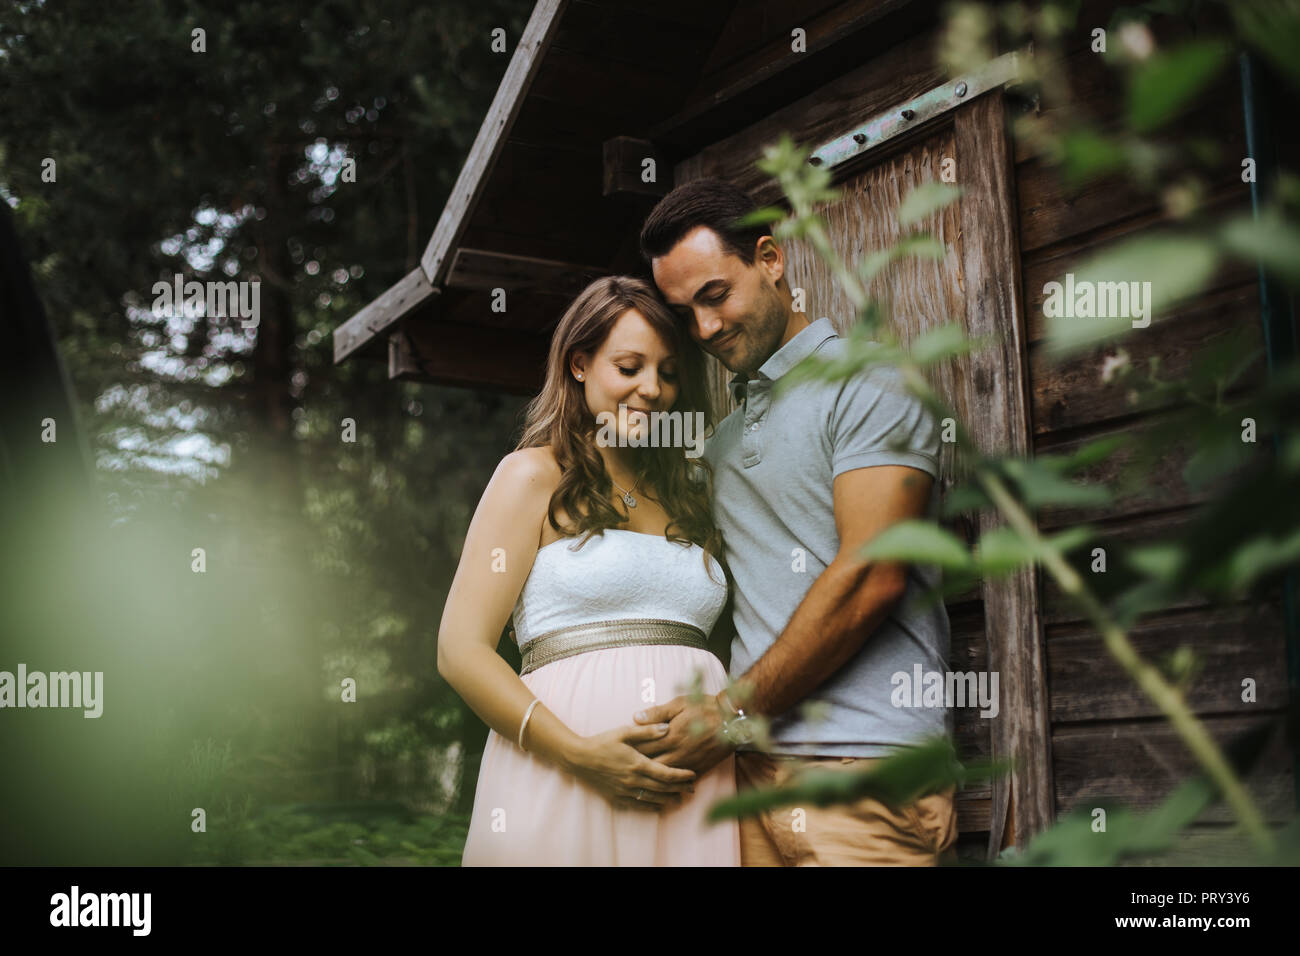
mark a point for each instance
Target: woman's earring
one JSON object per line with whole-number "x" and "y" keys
{"x": 579, "y": 376}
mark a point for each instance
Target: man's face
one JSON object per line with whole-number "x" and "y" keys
{"x": 732, "y": 310}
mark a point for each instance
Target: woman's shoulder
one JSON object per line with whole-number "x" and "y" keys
{"x": 534, "y": 468}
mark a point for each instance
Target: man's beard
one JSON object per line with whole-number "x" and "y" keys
{"x": 762, "y": 334}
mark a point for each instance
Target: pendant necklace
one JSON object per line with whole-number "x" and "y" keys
{"x": 627, "y": 495}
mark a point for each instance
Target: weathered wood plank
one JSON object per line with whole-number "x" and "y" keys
{"x": 1234, "y": 643}
{"x": 905, "y": 70}
{"x": 1162, "y": 487}
{"x": 1051, "y": 265}
{"x": 755, "y": 46}
{"x": 1051, "y": 211}
{"x": 1205, "y": 845}
{"x": 528, "y": 311}
{"x": 485, "y": 269}
{"x": 624, "y": 162}
{"x": 469, "y": 356}
{"x": 491, "y": 137}
{"x": 1140, "y": 763}
{"x": 973, "y": 807}
{"x": 1071, "y": 393}
{"x": 638, "y": 38}
{"x": 753, "y": 24}
{"x": 999, "y": 388}
{"x": 411, "y": 292}
{"x": 1116, "y": 538}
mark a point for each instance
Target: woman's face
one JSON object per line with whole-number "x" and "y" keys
{"x": 635, "y": 367}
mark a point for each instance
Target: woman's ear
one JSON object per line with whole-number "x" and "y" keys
{"x": 578, "y": 365}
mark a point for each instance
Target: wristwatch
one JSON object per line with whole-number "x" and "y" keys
{"x": 738, "y": 728}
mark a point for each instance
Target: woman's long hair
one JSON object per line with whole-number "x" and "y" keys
{"x": 559, "y": 417}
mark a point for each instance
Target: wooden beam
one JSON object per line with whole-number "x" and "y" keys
{"x": 484, "y": 269}
{"x": 1013, "y": 625}
{"x": 410, "y": 293}
{"x": 537, "y": 36}
{"x": 838, "y": 40}
{"x": 625, "y": 158}
{"x": 468, "y": 356}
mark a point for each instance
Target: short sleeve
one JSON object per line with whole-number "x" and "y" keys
{"x": 876, "y": 421}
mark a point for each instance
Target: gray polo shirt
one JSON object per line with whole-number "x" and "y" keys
{"x": 774, "y": 462}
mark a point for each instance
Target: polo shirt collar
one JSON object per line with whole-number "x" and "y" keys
{"x": 805, "y": 342}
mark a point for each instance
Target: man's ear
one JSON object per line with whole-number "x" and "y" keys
{"x": 770, "y": 257}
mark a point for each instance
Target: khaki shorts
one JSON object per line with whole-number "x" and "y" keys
{"x": 865, "y": 833}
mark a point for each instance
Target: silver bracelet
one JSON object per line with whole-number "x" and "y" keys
{"x": 528, "y": 713}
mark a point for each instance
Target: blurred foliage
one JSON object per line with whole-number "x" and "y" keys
{"x": 325, "y": 559}
{"x": 1236, "y": 426}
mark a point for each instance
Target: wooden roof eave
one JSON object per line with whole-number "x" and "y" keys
{"x": 420, "y": 285}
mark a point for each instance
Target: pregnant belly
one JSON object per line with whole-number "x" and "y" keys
{"x": 599, "y": 690}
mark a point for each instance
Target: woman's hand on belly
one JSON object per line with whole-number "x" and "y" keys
{"x": 627, "y": 778}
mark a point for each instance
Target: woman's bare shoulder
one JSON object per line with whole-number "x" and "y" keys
{"x": 533, "y": 468}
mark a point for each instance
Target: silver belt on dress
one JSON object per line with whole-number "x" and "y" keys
{"x": 598, "y": 635}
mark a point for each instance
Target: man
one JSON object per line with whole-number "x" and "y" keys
{"x": 802, "y": 482}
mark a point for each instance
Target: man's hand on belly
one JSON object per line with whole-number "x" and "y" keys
{"x": 694, "y": 740}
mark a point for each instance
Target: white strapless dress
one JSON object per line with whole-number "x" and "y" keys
{"x": 528, "y": 812}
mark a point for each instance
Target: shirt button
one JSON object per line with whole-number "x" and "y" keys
{"x": 754, "y": 427}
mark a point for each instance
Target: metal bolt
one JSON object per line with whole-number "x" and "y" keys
{"x": 909, "y": 114}
{"x": 961, "y": 89}
{"x": 814, "y": 160}
{"x": 859, "y": 138}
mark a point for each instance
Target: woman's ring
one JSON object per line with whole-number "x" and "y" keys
{"x": 639, "y": 792}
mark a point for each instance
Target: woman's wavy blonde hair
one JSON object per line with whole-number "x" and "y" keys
{"x": 559, "y": 417}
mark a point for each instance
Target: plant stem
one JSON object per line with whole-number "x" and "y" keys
{"x": 1165, "y": 696}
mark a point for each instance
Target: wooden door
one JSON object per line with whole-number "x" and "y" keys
{"x": 995, "y": 627}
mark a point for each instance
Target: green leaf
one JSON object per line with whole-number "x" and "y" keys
{"x": 896, "y": 780}
{"x": 1072, "y": 840}
{"x": 1267, "y": 240}
{"x": 1002, "y": 550}
{"x": 919, "y": 541}
{"x": 1272, "y": 27}
{"x": 940, "y": 343}
{"x": 1166, "y": 268}
{"x": 1261, "y": 556}
{"x": 1161, "y": 561}
{"x": 1086, "y": 154}
{"x": 1092, "y": 453}
{"x": 922, "y": 245}
{"x": 926, "y": 199}
{"x": 1072, "y": 538}
{"x": 761, "y": 217}
{"x": 1040, "y": 485}
{"x": 964, "y": 497}
{"x": 1169, "y": 81}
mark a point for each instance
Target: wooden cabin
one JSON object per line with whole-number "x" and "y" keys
{"x": 552, "y": 195}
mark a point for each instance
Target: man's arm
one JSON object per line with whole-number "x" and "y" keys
{"x": 848, "y": 601}
{"x": 841, "y": 610}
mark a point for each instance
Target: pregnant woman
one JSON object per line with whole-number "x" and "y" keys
{"x": 603, "y": 550}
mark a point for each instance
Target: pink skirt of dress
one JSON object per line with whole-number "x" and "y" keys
{"x": 527, "y": 812}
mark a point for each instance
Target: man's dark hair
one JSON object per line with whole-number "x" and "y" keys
{"x": 704, "y": 202}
